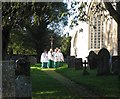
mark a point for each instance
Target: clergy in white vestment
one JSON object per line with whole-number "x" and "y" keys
{"x": 44, "y": 59}
{"x": 50, "y": 58}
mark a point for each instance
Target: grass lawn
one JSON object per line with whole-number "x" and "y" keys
{"x": 105, "y": 85}
{"x": 45, "y": 87}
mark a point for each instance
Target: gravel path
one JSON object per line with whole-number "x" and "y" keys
{"x": 77, "y": 89}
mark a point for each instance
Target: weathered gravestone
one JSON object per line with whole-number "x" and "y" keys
{"x": 103, "y": 62}
{"x": 78, "y": 63}
{"x": 32, "y": 59}
{"x": 92, "y": 60}
{"x": 22, "y": 81}
{"x": 22, "y": 67}
{"x": 8, "y": 79}
{"x": 115, "y": 64}
{"x": 71, "y": 61}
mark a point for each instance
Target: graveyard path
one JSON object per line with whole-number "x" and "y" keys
{"x": 73, "y": 87}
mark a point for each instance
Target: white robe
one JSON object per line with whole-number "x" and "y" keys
{"x": 61, "y": 57}
{"x": 50, "y": 56}
{"x": 44, "y": 57}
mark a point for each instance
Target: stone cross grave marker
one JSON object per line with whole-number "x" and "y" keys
{"x": 85, "y": 72}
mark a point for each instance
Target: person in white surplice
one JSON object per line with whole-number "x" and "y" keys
{"x": 50, "y": 59}
{"x": 60, "y": 58}
{"x": 44, "y": 59}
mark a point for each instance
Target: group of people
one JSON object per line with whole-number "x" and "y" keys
{"x": 52, "y": 59}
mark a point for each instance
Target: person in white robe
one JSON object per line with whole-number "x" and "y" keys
{"x": 50, "y": 58}
{"x": 44, "y": 59}
{"x": 60, "y": 58}
{"x": 56, "y": 58}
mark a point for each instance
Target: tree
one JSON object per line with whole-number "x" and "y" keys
{"x": 65, "y": 45}
{"x": 115, "y": 13}
{"x": 34, "y": 18}
{"x": 46, "y": 16}
{"x": 13, "y": 13}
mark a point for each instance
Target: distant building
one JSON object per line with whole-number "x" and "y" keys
{"x": 101, "y": 31}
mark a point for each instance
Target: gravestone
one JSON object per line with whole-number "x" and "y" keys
{"x": 71, "y": 61}
{"x": 85, "y": 72}
{"x": 22, "y": 67}
{"x": 115, "y": 64}
{"x": 22, "y": 81}
{"x": 32, "y": 59}
{"x": 92, "y": 60}
{"x": 8, "y": 79}
{"x": 103, "y": 62}
{"x": 78, "y": 63}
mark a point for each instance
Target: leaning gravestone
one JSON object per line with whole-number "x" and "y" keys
{"x": 92, "y": 60}
{"x": 103, "y": 62}
{"x": 71, "y": 61}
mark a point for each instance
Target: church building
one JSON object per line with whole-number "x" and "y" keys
{"x": 100, "y": 32}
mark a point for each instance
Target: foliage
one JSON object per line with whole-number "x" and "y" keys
{"x": 65, "y": 45}
{"x": 13, "y": 14}
{"x": 79, "y": 12}
{"x": 17, "y": 43}
{"x": 34, "y": 21}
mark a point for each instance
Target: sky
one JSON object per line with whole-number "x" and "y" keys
{"x": 67, "y": 29}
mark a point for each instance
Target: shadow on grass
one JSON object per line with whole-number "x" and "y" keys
{"x": 106, "y": 86}
{"x": 46, "y": 87}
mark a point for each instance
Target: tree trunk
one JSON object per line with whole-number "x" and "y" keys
{"x": 116, "y": 15}
{"x": 5, "y": 41}
{"x": 118, "y": 39}
{"x": 119, "y": 48}
{"x": 38, "y": 56}
{"x": 118, "y": 10}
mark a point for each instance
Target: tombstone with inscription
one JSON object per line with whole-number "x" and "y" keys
{"x": 22, "y": 81}
{"x": 103, "y": 62}
{"x": 78, "y": 63}
{"x": 92, "y": 60}
{"x": 71, "y": 61}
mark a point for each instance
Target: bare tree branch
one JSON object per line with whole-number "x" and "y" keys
{"x": 112, "y": 12}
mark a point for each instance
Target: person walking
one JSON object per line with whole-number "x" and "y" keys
{"x": 44, "y": 59}
{"x": 60, "y": 58}
{"x": 56, "y": 57}
{"x": 50, "y": 58}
